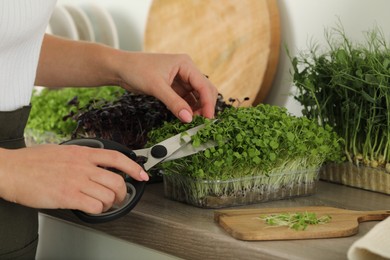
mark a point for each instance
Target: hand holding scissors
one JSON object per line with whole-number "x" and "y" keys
{"x": 175, "y": 147}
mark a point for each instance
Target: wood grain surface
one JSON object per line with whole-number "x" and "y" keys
{"x": 235, "y": 42}
{"x": 189, "y": 232}
{"x": 246, "y": 224}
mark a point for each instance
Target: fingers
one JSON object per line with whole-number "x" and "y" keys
{"x": 87, "y": 204}
{"x": 172, "y": 78}
{"x": 196, "y": 89}
{"x": 102, "y": 188}
{"x": 176, "y": 104}
{"x": 205, "y": 92}
{"x": 103, "y": 195}
{"x": 108, "y": 187}
{"x": 185, "y": 99}
{"x": 114, "y": 159}
{"x": 65, "y": 176}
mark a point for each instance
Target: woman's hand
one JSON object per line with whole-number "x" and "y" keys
{"x": 172, "y": 78}
{"x": 65, "y": 176}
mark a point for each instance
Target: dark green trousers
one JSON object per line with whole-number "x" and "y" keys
{"x": 18, "y": 224}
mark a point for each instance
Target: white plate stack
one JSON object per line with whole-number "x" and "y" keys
{"x": 89, "y": 22}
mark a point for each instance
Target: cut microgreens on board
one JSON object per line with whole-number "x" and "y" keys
{"x": 297, "y": 221}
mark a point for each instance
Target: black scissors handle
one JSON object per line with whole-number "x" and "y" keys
{"x": 135, "y": 189}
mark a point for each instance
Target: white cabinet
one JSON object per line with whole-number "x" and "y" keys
{"x": 64, "y": 240}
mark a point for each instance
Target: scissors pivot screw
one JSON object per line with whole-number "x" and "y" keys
{"x": 159, "y": 151}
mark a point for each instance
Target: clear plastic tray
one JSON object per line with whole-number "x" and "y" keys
{"x": 241, "y": 191}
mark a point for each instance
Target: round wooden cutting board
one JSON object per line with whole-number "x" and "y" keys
{"x": 234, "y": 42}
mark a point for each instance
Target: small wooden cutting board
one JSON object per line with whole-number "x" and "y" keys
{"x": 246, "y": 224}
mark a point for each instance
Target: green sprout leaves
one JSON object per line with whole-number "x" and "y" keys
{"x": 252, "y": 141}
{"x": 298, "y": 221}
{"x": 347, "y": 86}
{"x": 50, "y": 108}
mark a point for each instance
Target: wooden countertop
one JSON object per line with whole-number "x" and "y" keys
{"x": 189, "y": 232}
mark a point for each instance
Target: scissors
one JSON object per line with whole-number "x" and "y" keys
{"x": 175, "y": 147}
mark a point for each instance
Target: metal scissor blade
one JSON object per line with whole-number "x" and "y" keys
{"x": 190, "y": 150}
{"x": 171, "y": 144}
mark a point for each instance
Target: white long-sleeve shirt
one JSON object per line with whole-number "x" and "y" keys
{"x": 22, "y": 27}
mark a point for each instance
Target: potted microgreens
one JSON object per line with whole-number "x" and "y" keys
{"x": 263, "y": 153}
{"x": 51, "y": 119}
{"x": 107, "y": 112}
{"x": 348, "y": 87}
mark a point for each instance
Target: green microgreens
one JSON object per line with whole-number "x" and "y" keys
{"x": 297, "y": 221}
{"x": 50, "y": 108}
{"x": 252, "y": 141}
{"x": 348, "y": 87}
